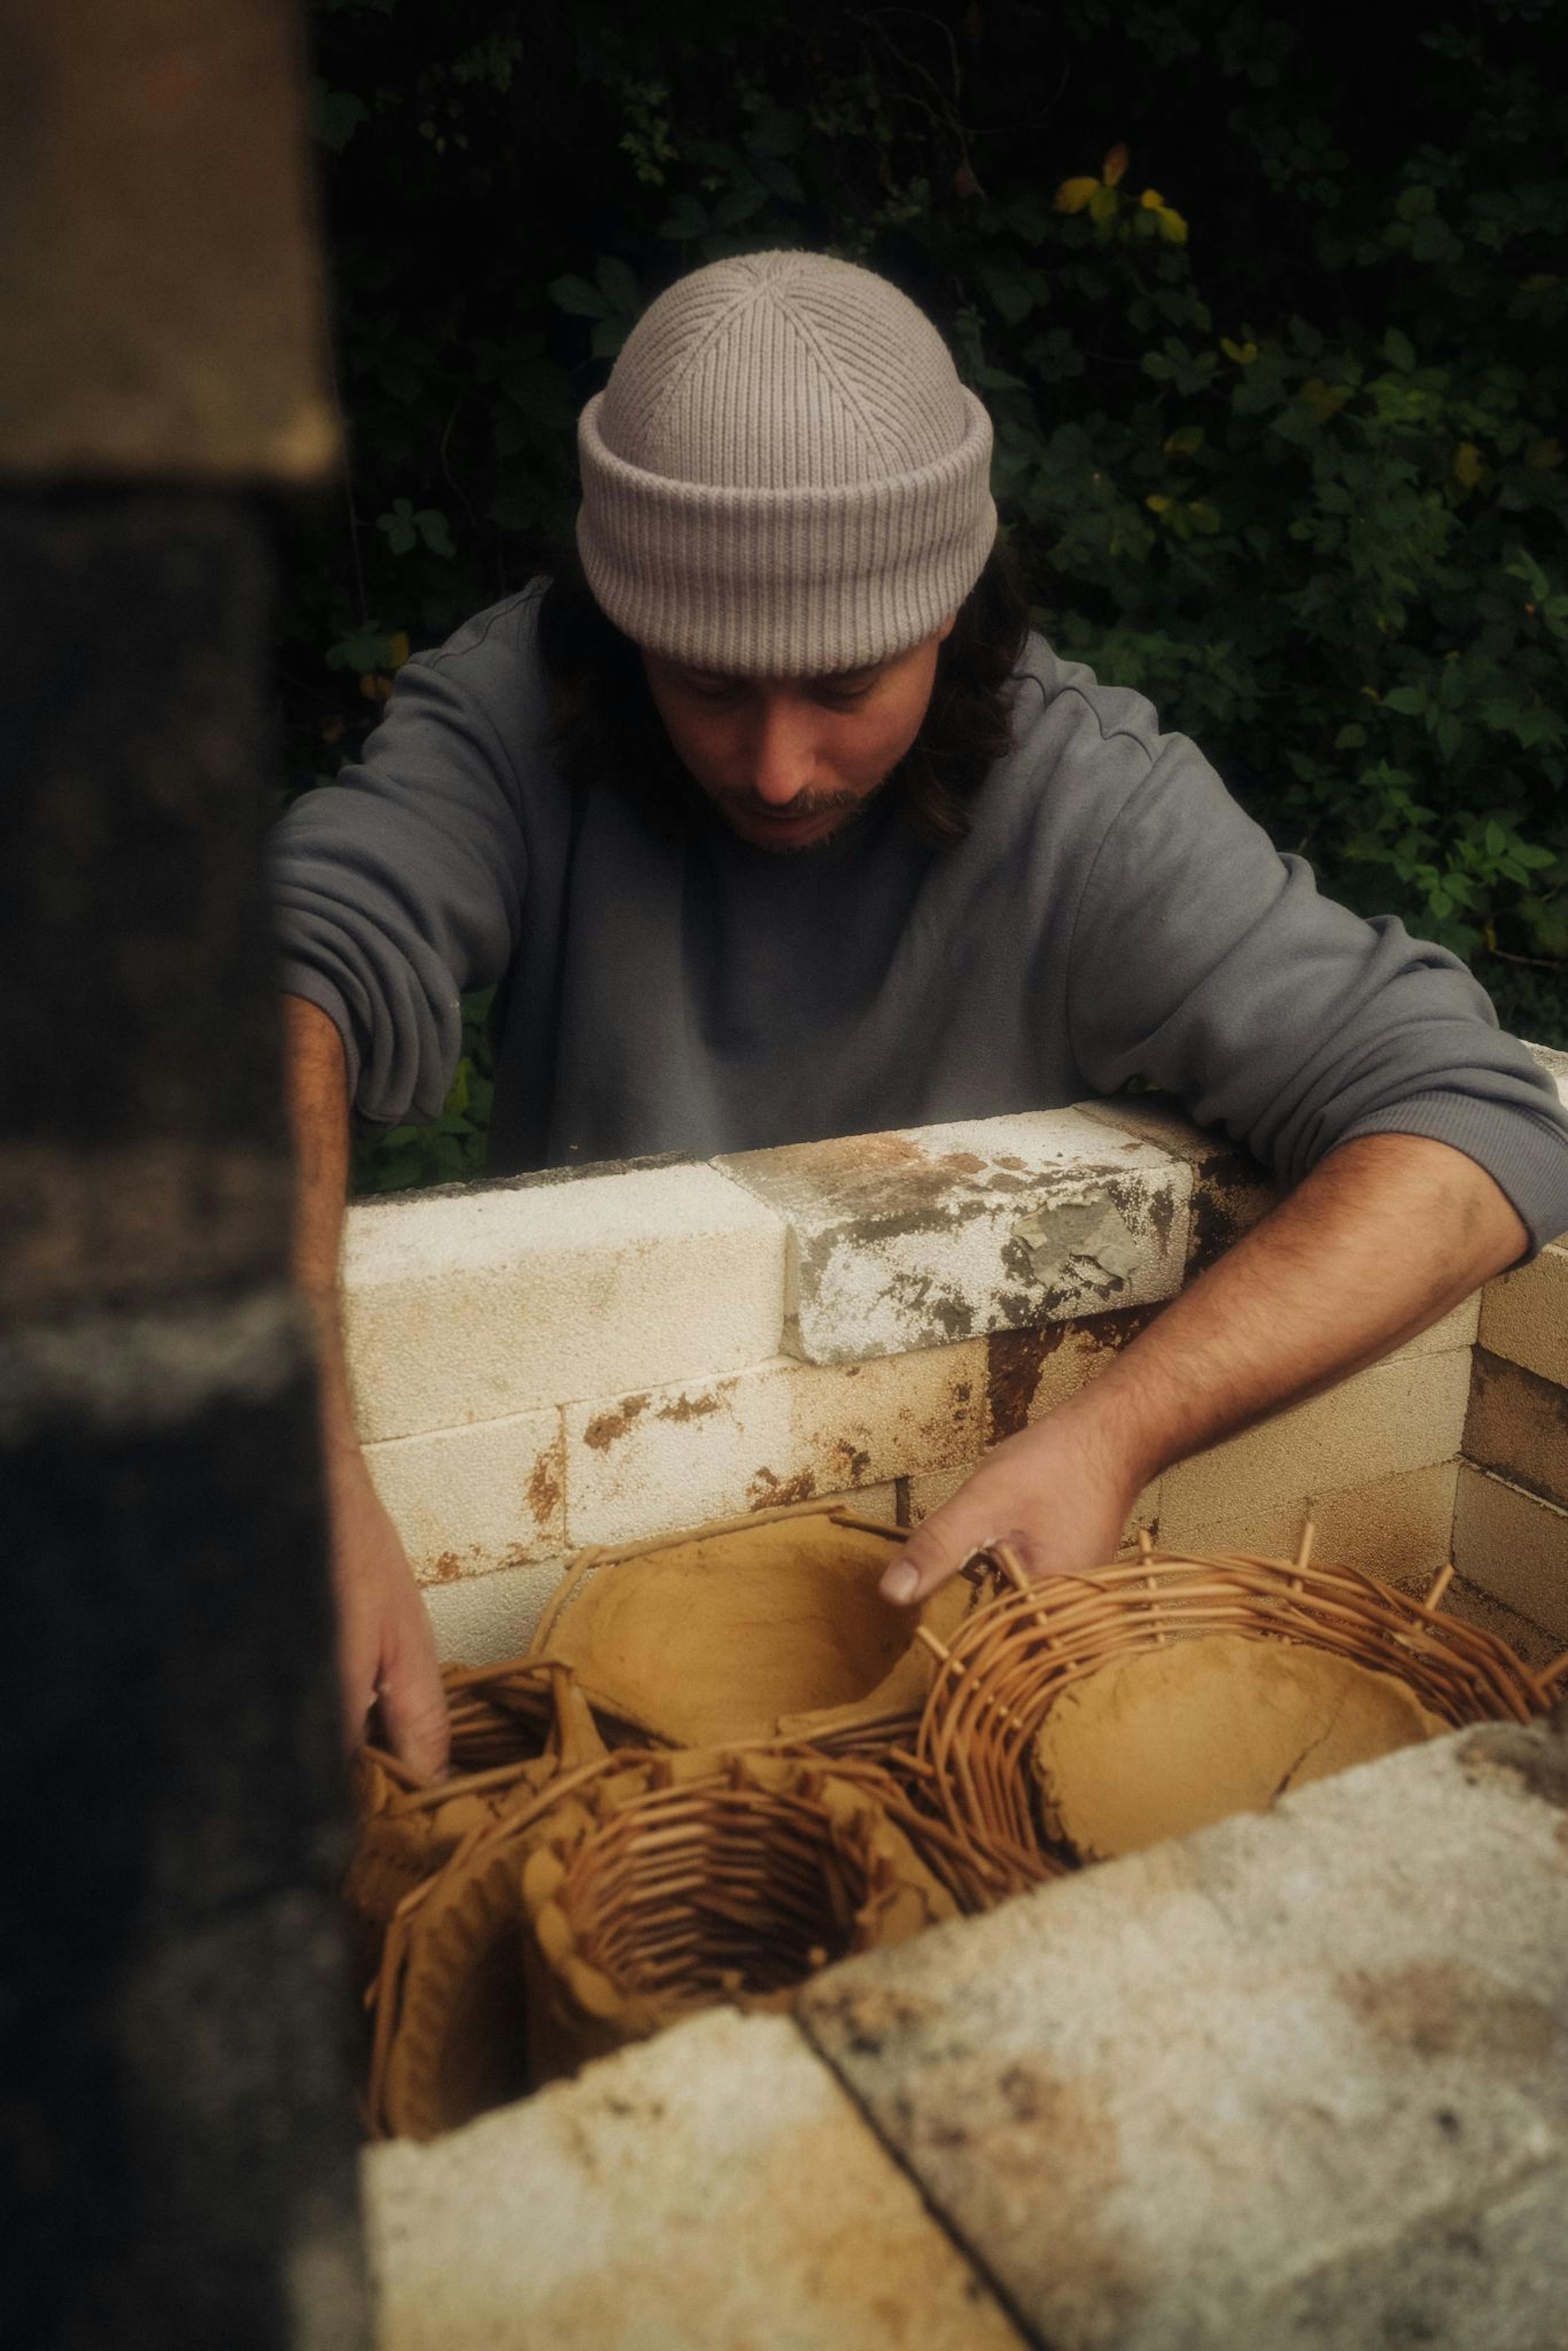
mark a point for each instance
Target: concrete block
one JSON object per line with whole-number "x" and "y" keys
{"x": 1232, "y": 1191}
{"x": 467, "y": 1501}
{"x": 663, "y": 1458}
{"x": 923, "y": 1238}
{"x": 1524, "y": 1316}
{"x": 480, "y": 1619}
{"x": 1398, "y": 1415}
{"x": 1518, "y": 1425}
{"x": 1514, "y": 1546}
{"x": 713, "y": 2189}
{"x": 1296, "y": 2079}
{"x": 492, "y": 1300}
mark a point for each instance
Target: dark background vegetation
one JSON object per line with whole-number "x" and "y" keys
{"x": 1267, "y": 304}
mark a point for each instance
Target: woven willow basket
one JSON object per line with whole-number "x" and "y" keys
{"x": 515, "y": 1727}
{"x": 706, "y": 1877}
{"x": 448, "y": 2002}
{"x": 1017, "y": 1654}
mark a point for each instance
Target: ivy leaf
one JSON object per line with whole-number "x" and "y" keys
{"x": 617, "y": 286}
{"x": 1398, "y": 349}
{"x": 576, "y": 295}
{"x": 434, "y": 530}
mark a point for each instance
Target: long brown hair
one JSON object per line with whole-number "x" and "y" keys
{"x": 606, "y": 725}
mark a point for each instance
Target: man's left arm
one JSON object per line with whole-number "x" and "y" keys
{"x": 1385, "y": 1235}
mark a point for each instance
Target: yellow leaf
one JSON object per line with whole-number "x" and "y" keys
{"x": 1156, "y": 503}
{"x": 1468, "y": 465}
{"x": 1073, "y": 195}
{"x": 399, "y": 645}
{"x": 1173, "y": 228}
{"x": 1242, "y": 353}
{"x": 1544, "y": 454}
{"x": 1104, "y": 203}
{"x": 1114, "y": 165}
{"x": 1185, "y": 443}
{"x": 1152, "y": 201}
{"x": 1324, "y": 400}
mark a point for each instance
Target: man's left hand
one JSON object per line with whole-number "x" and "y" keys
{"x": 1056, "y": 1492}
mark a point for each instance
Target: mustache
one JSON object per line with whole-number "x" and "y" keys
{"x": 805, "y": 803}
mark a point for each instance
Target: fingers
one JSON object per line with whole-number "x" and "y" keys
{"x": 947, "y": 1542}
{"x": 413, "y": 1708}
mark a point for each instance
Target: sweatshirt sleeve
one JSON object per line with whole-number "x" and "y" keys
{"x": 1205, "y": 962}
{"x": 400, "y": 884}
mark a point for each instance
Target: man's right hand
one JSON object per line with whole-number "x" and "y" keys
{"x": 386, "y": 1649}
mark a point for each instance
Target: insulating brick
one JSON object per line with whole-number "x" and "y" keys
{"x": 1518, "y": 1426}
{"x": 491, "y": 1300}
{"x": 658, "y": 1460}
{"x": 1524, "y": 1316}
{"x": 1514, "y": 1546}
{"x": 1407, "y": 1413}
{"x": 468, "y": 1500}
{"x": 481, "y": 1619}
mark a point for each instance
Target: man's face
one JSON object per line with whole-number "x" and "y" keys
{"x": 787, "y": 761}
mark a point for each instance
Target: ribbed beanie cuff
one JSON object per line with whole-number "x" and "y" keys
{"x": 785, "y": 477}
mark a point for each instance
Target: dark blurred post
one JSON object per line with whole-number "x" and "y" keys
{"x": 176, "y": 2122}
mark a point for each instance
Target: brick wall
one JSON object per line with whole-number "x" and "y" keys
{"x": 557, "y": 1362}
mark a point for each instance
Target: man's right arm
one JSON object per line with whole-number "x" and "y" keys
{"x": 385, "y": 1647}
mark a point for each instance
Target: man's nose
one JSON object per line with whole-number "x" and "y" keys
{"x": 783, "y": 752}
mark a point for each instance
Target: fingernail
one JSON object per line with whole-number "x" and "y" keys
{"x": 900, "y": 1582}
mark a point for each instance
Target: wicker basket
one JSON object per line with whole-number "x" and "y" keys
{"x": 1032, "y": 1640}
{"x": 639, "y": 1628}
{"x": 700, "y": 1877}
{"x": 515, "y": 1727}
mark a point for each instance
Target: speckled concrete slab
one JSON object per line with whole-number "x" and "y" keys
{"x": 711, "y": 2191}
{"x": 1299, "y": 2080}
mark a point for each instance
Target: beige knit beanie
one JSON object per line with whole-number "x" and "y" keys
{"x": 784, "y": 477}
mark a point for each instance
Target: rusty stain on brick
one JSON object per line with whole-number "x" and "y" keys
{"x": 446, "y": 1569}
{"x": 1014, "y": 1360}
{"x": 689, "y": 1407}
{"x": 605, "y": 1426}
{"x": 544, "y": 1487}
{"x": 766, "y": 1491}
{"x": 855, "y": 1459}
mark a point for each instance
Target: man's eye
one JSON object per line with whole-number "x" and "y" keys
{"x": 717, "y": 690}
{"x": 845, "y": 697}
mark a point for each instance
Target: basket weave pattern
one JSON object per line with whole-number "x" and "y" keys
{"x": 696, "y": 1877}
{"x": 1015, "y": 1656}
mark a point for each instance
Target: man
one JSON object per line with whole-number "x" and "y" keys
{"x": 778, "y": 823}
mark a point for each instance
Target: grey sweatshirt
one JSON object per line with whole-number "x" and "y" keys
{"x": 1113, "y": 915}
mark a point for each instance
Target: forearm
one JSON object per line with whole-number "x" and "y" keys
{"x": 1384, "y": 1236}
{"x": 317, "y": 1092}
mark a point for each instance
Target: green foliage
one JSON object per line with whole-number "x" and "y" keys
{"x": 452, "y": 1151}
{"x": 1278, "y": 379}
